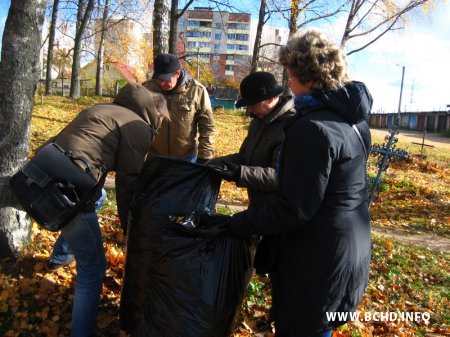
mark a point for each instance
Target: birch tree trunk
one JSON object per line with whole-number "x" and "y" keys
{"x": 160, "y": 27}
{"x": 19, "y": 73}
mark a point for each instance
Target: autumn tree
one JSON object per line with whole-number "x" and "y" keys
{"x": 373, "y": 19}
{"x": 19, "y": 72}
{"x": 201, "y": 71}
{"x": 259, "y": 29}
{"x": 299, "y": 14}
{"x": 84, "y": 11}
{"x": 230, "y": 82}
{"x": 175, "y": 15}
{"x": 62, "y": 60}
{"x": 101, "y": 50}
{"x": 51, "y": 44}
{"x": 116, "y": 36}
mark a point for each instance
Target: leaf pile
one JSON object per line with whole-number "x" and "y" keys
{"x": 414, "y": 196}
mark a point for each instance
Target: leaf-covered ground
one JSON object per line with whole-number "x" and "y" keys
{"x": 404, "y": 278}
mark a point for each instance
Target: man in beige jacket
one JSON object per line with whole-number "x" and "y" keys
{"x": 189, "y": 133}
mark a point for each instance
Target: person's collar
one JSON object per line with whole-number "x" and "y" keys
{"x": 274, "y": 113}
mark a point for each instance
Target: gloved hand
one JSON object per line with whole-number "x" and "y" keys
{"x": 228, "y": 171}
{"x": 201, "y": 161}
{"x": 215, "y": 161}
{"x": 214, "y": 224}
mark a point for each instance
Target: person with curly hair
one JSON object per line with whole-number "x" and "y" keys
{"x": 320, "y": 213}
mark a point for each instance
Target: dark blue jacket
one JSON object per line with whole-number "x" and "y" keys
{"x": 320, "y": 213}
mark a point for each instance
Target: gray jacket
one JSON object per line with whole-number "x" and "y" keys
{"x": 258, "y": 155}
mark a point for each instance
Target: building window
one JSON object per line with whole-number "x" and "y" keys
{"x": 192, "y": 33}
{"x": 230, "y": 57}
{"x": 216, "y": 47}
{"x": 192, "y": 44}
{"x": 216, "y": 57}
{"x": 243, "y": 26}
{"x": 242, "y": 37}
{"x": 217, "y": 36}
{"x": 215, "y": 67}
{"x": 241, "y": 58}
{"x": 196, "y": 33}
{"x": 231, "y": 36}
{"x": 229, "y": 67}
{"x": 194, "y": 23}
{"x": 231, "y": 47}
{"x": 218, "y": 25}
{"x": 181, "y": 23}
{"x": 199, "y": 23}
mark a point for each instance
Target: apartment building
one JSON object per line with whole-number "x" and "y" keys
{"x": 221, "y": 39}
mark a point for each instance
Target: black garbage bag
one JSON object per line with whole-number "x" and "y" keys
{"x": 182, "y": 277}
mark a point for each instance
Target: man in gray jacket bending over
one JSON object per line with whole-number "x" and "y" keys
{"x": 254, "y": 166}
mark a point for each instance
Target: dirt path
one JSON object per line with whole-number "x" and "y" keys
{"x": 430, "y": 241}
{"x": 409, "y": 136}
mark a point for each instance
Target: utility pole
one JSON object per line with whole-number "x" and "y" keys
{"x": 401, "y": 92}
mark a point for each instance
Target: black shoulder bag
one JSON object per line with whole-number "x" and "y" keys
{"x": 53, "y": 188}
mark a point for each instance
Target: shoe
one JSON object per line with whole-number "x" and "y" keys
{"x": 52, "y": 266}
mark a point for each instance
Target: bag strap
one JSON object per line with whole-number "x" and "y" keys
{"x": 89, "y": 169}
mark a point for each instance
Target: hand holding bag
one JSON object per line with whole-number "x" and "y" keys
{"x": 53, "y": 188}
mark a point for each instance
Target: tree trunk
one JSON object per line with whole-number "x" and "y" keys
{"x": 259, "y": 29}
{"x": 100, "y": 54}
{"x": 19, "y": 72}
{"x": 348, "y": 25}
{"x": 83, "y": 15}
{"x": 292, "y": 30}
{"x": 160, "y": 20}
{"x": 173, "y": 27}
{"x": 51, "y": 42}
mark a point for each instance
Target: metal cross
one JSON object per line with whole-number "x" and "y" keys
{"x": 422, "y": 144}
{"x": 386, "y": 152}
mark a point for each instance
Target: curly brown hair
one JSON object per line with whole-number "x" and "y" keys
{"x": 310, "y": 56}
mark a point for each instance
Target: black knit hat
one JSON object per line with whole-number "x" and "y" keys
{"x": 258, "y": 87}
{"x": 165, "y": 66}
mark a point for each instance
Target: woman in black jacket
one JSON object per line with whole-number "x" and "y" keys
{"x": 321, "y": 210}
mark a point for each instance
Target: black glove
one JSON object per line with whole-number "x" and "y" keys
{"x": 213, "y": 224}
{"x": 215, "y": 161}
{"x": 201, "y": 161}
{"x": 228, "y": 171}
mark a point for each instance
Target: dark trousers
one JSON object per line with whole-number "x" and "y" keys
{"x": 281, "y": 331}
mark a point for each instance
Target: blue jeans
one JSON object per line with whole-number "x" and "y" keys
{"x": 192, "y": 158}
{"x": 84, "y": 237}
{"x": 62, "y": 253}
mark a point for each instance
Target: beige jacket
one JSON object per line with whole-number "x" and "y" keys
{"x": 191, "y": 128}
